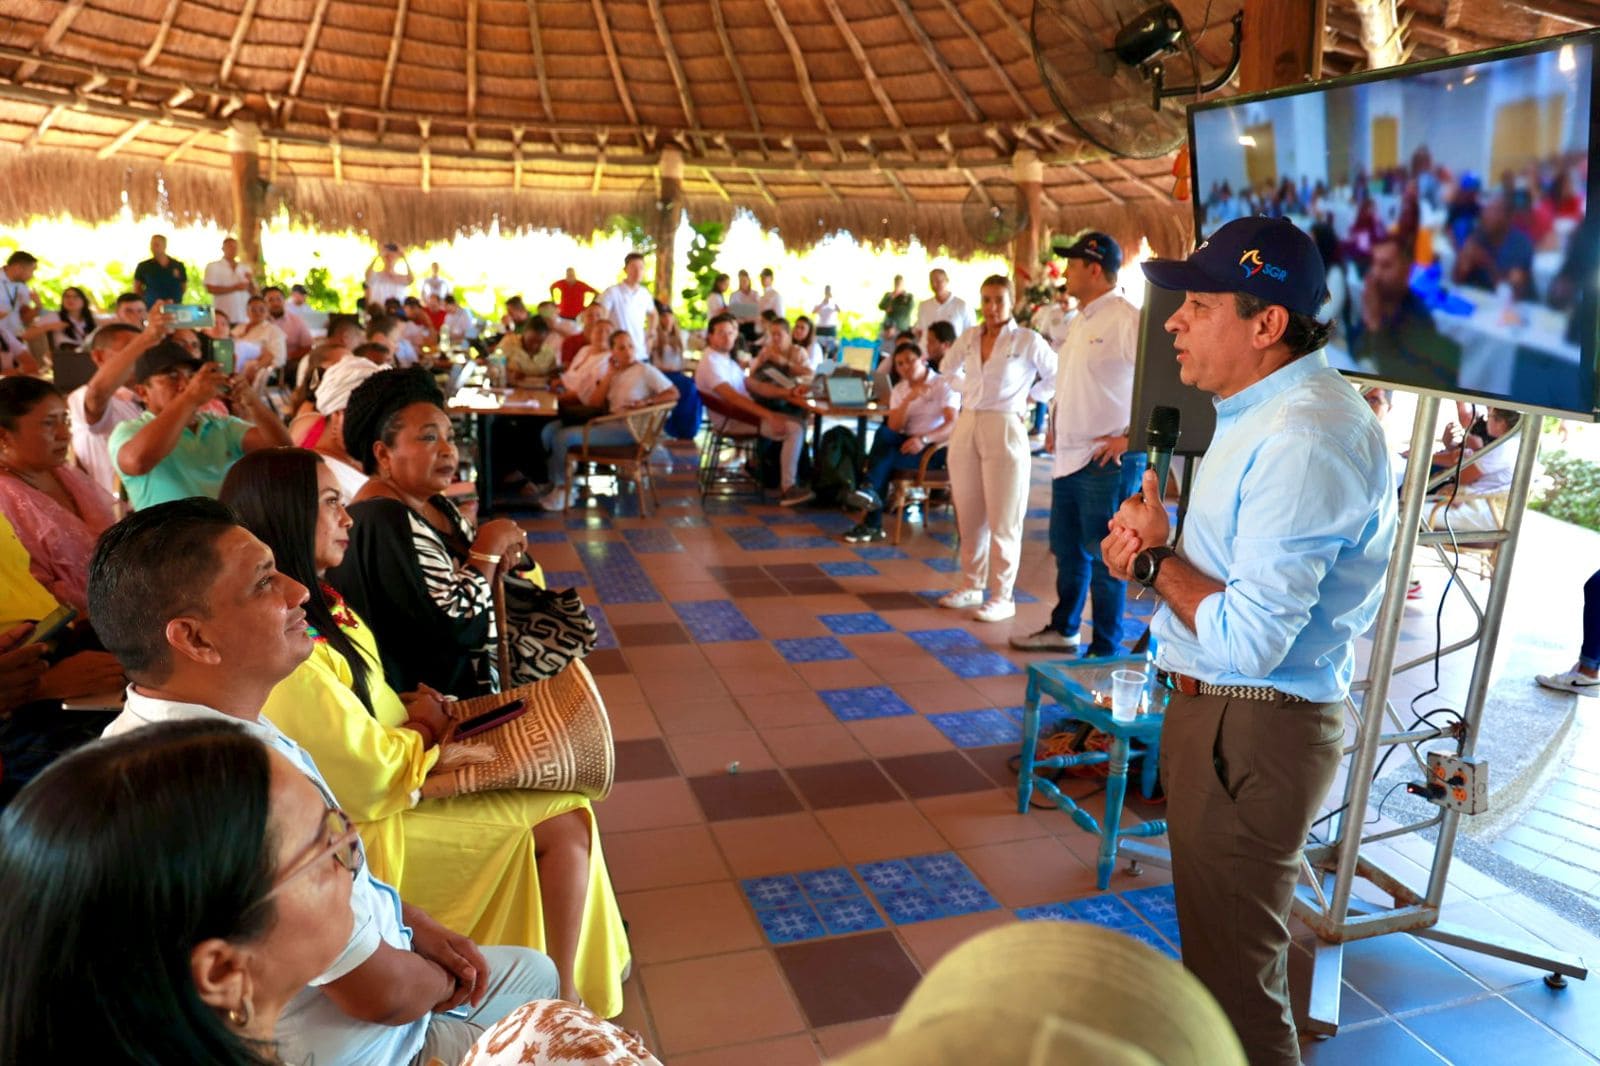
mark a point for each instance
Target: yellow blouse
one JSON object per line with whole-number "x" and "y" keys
{"x": 24, "y": 599}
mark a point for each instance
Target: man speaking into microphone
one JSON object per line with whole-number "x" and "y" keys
{"x": 1281, "y": 567}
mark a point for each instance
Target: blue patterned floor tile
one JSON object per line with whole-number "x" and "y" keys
{"x": 945, "y": 640}
{"x": 651, "y": 540}
{"x": 765, "y": 892}
{"x": 1106, "y": 910}
{"x": 812, "y": 649}
{"x": 880, "y": 552}
{"x": 714, "y": 621}
{"x": 948, "y": 539}
{"x": 753, "y": 538}
{"x": 853, "y": 915}
{"x": 962, "y": 897}
{"x": 616, "y": 575}
{"x": 783, "y": 518}
{"x": 870, "y": 701}
{"x": 977, "y": 729}
{"x": 810, "y": 543}
{"x": 687, "y": 521}
{"x": 944, "y": 564}
{"x": 1054, "y": 912}
{"x": 832, "y": 883}
{"x": 1156, "y": 903}
{"x": 1170, "y": 931}
{"x": 852, "y": 569}
{"x": 978, "y": 664}
{"x": 910, "y": 905}
{"x": 1023, "y": 597}
{"x": 832, "y": 521}
{"x": 788, "y": 925}
{"x": 589, "y": 520}
{"x": 1146, "y": 935}
{"x": 854, "y": 625}
{"x": 722, "y": 506}
{"x": 546, "y": 536}
{"x": 605, "y": 637}
{"x": 1036, "y": 535}
{"x": 1038, "y": 512}
{"x": 890, "y": 875}
{"x": 565, "y": 579}
{"x": 942, "y": 868}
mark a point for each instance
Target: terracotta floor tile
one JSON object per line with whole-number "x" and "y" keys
{"x": 931, "y": 941}
{"x": 842, "y": 784}
{"x": 893, "y": 600}
{"x": 742, "y": 655}
{"x": 754, "y": 795}
{"x": 1008, "y": 690}
{"x": 640, "y": 760}
{"x": 606, "y": 661}
{"x": 823, "y": 586}
{"x": 936, "y": 696}
{"x": 905, "y": 735}
{"x": 848, "y": 979}
{"x": 781, "y": 1051}
{"x": 750, "y": 590}
{"x": 688, "y": 922}
{"x": 995, "y": 761}
{"x": 793, "y": 571}
{"x": 639, "y": 634}
{"x": 685, "y": 591}
{"x": 839, "y": 1040}
{"x": 658, "y": 858}
{"x": 778, "y": 619}
{"x": 635, "y": 1016}
{"x": 785, "y": 843}
{"x": 939, "y": 773}
{"x": 648, "y": 805}
{"x": 718, "y": 1001}
{"x": 776, "y": 709}
{"x": 621, "y": 614}
{"x": 619, "y": 688}
{"x": 912, "y": 666}
{"x": 674, "y": 687}
{"x": 847, "y": 673}
{"x": 708, "y": 714}
{"x": 974, "y": 818}
{"x": 881, "y": 831}
{"x": 811, "y": 745}
{"x": 713, "y": 752}
{"x": 651, "y": 660}
{"x": 632, "y": 720}
{"x": 1026, "y": 873}
{"x": 762, "y": 681}
{"x": 736, "y": 573}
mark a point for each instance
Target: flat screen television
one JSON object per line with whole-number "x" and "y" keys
{"x": 1450, "y": 202}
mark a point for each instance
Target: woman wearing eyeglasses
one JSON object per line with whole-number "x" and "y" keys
{"x": 168, "y": 892}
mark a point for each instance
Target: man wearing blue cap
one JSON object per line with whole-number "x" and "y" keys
{"x": 1280, "y": 568}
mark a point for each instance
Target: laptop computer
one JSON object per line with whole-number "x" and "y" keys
{"x": 845, "y": 390}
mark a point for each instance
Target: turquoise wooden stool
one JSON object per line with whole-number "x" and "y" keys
{"x": 1072, "y": 683}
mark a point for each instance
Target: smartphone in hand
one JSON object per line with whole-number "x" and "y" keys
{"x": 50, "y": 626}
{"x": 481, "y": 723}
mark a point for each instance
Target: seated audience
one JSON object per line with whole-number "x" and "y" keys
{"x": 303, "y": 400}
{"x": 624, "y": 384}
{"x": 718, "y": 375}
{"x": 460, "y": 324}
{"x": 105, "y": 401}
{"x": 333, "y": 396}
{"x": 513, "y": 867}
{"x": 420, "y": 573}
{"x": 70, "y": 326}
{"x": 418, "y": 331}
{"x": 296, "y": 334}
{"x": 56, "y": 511}
{"x": 1394, "y": 335}
{"x": 130, "y": 308}
{"x": 1489, "y": 477}
{"x": 206, "y": 627}
{"x": 922, "y": 415}
{"x": 937, "y": 339}
{"x": 666, "y": 355}
{"x": 804, "y": 337}
{"x": 175, "y": 449}
{"x": 264, "y": 348}
{"x": 1496, "y": 252}
{"x": 531, "y": 355}
{"x": 577, "y": 381}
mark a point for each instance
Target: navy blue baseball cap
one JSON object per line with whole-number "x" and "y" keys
{"x": 1094, "y": 248}
{"x": 1268, "y": 258}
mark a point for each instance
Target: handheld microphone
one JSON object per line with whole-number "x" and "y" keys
{"x": 1160, "y": 438}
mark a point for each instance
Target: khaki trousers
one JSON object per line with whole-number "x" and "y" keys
{"x": 989, "y": 463}
{"x": 1244, "y": 778}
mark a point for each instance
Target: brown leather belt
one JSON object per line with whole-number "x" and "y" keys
{"x": 1193, "y": 686}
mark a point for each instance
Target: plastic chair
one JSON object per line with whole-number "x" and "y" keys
{"x": 630, "y": 462}
{"x": 916, "y": 486}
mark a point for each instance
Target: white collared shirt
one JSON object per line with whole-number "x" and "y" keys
{"x": 925, "y": 413}
{"x": 1094, "y": 379}
{"x": 1021, "y": 368}
{"x": 312, "y": 1027}
{"x": 954, "y": 311}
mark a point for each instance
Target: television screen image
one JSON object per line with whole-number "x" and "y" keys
{"x": 1449, "y": 201}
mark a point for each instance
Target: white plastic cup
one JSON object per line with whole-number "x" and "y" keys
{"x": 1127, "y": 692}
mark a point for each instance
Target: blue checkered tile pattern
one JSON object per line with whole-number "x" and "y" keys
{"x": 714, "y": 621}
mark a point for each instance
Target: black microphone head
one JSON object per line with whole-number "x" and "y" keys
{"x": 1162, "y": 432}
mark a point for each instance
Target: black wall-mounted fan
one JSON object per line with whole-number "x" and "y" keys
{"x": 994, "y": 212}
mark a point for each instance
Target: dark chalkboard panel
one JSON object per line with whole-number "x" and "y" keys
{"x": 1156, "y": 383}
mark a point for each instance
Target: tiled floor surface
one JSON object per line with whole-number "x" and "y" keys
{"x": 814, "y": 804}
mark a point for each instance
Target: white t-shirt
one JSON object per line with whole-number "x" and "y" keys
{"x": 1495, "y": 469}
{"x": 926, "y": 412}
{"x": 14, "y": 296}
{"x": 384, "y": 285}
{"x": 716, "y": 303}
{"x": 771, "y": 300}
{"x": 1094, "y": 379}
{"x": 719, "y": 368}
{"x": 826, "y": 314}
{"x": 89, "y": 440}
{"x": 269, "y": 339}
{"x": 433, "y": 286}
{"x": 233, "y": 304}
{"x": 461, "y": 325}
{"x": 953, "y": 310}
{"x": 585, "y": 370}
{"x": 629, "y": 307}
{"x": 636, "y": 384}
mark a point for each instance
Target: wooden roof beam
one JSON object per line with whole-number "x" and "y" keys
{"x": 989, "y": 57}
{"x": 1017, "y": 28}
{"x": 1578, "y": 14}
{"x": 761, "y": 187}
{"x": 120, "y": 140}
{"x": 45, "y": 123}
{"x": 183, "y": 146}
{"x": 395, "y": 37}
{"x": 674, "y": 64}
{"x": 802, "y": 77}
{"x": 240, "y": 29}
{"x": 722, "y": 190}
{"x": 615, "y": 63}
{"x": 920, "y": 35}
{"x": 537, "y": 37}
{"x": 874, "y": 83}
{"x": 162, "y": 30}
{"x": 1381, "y": 33}
{"x": 719, "y": 22}
{"x": 313, "y": 33}
{"x": 472, "y": 74}
{"x": 52, "y": 35}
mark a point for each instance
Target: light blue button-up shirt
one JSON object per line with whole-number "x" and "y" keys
{"x": 1294, "y": 511}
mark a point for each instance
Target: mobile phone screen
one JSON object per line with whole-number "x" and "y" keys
{"x": 222, "y": 354}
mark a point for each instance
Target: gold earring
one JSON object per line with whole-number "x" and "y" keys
{"x": 242, "y": 1015}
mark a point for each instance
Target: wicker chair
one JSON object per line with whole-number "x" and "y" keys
{"x": 916, "y": 486}
{"x": 727, "y": 428}
{"x": 630, "y": 462}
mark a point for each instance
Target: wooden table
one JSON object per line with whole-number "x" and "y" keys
{"x": 821, "y": 409}
{"x": 487, "y": 404}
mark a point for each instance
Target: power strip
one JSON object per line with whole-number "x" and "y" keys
{"x": 1455, "y": 782}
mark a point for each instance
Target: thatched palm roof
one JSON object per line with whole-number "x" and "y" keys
{"x": 418, "y": 118}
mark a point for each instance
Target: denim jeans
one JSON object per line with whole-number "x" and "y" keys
{"x": 1081, "y": 506}
{"x": 560, "y": 439}
{"x": 883, "y": 459}
{"x": 1589, "y": 656}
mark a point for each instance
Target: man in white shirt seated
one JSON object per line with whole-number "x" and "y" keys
{"x": 922, "y": 415}
{"x": 270, "y": 351}
{"x": 943, "y": 306}
{"x": 719, "y": 376}
{"x": 460, "y": 324}
{"x": 205, "y": 627}
{"x": 105, "y": 401}
{"x": 229, "y": 282}
{"x": 623, "y": 384}
{"x": 630, "y": 305}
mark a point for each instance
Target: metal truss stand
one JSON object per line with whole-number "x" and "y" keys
{"x": 1324, "y": 903}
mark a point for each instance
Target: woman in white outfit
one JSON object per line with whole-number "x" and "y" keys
{"x": 1001, "y": 369}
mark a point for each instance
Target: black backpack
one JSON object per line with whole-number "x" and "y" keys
{"x": 838, "y": 465}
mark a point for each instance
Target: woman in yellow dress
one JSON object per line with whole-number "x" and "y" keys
{"x": 509, "y": 867}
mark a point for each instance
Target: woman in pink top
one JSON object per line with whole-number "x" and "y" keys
{"x": 57, "y": 511}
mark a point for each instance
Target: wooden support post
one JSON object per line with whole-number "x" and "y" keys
{"x": 244, "y": 148}
{"x": 1282, "y": 44}
{"x": 1028, "y": 173}
{"x": 668, "y": 214}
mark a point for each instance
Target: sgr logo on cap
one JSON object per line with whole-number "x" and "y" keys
{"x": 1252, "y": 264}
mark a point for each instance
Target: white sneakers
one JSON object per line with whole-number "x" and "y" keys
{"x": 1571, "y": 681}
{"x": 961, "y": 598}
{"x": 990, "y": 610}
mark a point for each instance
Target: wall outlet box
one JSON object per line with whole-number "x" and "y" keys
{"x": 1465, "y": 781}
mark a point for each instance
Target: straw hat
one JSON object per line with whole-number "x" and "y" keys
{"x": 1056, "y": 992}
